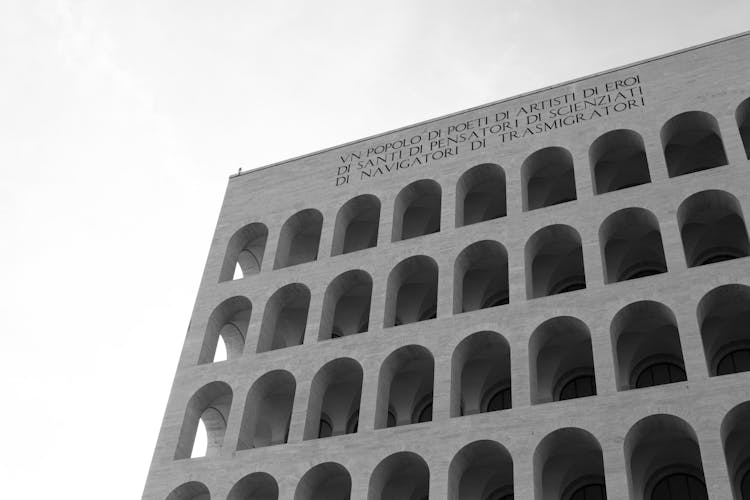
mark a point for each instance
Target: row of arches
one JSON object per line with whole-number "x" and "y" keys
{"x": 711, "y": 225}
{"x": 646, "y": 350}
{"x": 662, "y": 458}
{"x": 692, "y": 142}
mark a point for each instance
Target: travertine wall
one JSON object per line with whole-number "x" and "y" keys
{"x": 714, "y": 78}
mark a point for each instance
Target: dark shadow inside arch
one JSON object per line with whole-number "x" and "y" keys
{"x": 268, "y": 411}
{"x": 285, "y": 318}
{"x": 190, "y": 491}
{"x": 548, "y": 178}
{"x": 412, "y": 291}
{"x": 735, "y": 436}
{"x": 480, "y": 375}
{"x": 405, "y": 387}
{"x": 646, "y": 345}
{"x": 712, "y": 228}
{"x": 346, "y": 305}
{"x": 554, "y": 262}
{"x": 481, "y": 470}
{"x": 357, "y": 225}
{"x": 228, "y": 323}
{"x": 416, "y": 211}
{"x": 299, "y": 239}
{"x": 743, "y": 123}
{"x": 255, "y": 486}
{"x": 401, "y": 476}
{"x": 335, "y": 394}
{"x": 561, "y": 362}
{"x": 663, "y": 460}
{"x": 692, "y": 142}
{"x": 326, "y": 481}
{"x": 724, "y": 316}
{"x": 210, "y": 406}
{"x": 480, "y": 277}
{"x": 631, "y": 245}
{"x": 618, "y": 161}
{"x": 480, "y": 195}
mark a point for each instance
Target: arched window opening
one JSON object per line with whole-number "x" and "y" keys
{"x": 568, "y": 464}
{"x": 631, "y": 245}
{"x": 548, "y": 178}
{"x": 480, "y": 374}
{"x": 735, "y": 436}
{"x": 228, "y": 323}
{"x": 712, "y": 228}
{"x": 646, "y": 345}
{"x": 412, "y": 291}
{"x": 326, "y": 481}
{"x": 723, "y": 316}
{"x": 255, "y": 486}
{"x": 268, "y": 411}
{"x": 481, "y": 470}
{"x": 357, "y": 225}
{"x": 480, "y": 195}
{"x": 660, "y": 452}
{"x": 416, "y": 211}
{"x": 285, "y": 318}
{"x": 743, "y": 123}
{"x": 480, "y": 277}
{"x": 346, "y": 305}
{"x": 190, "y": 491}
{"x": 692, "y": 142}
{"x": 335, "y": 394}
{"x": 554, "y": 262}
{"x": 209, "y": 405}
{"x": 618, "y": 161}
{"x": 401, "y": 476}
{"x": 405, "y": 387}
{"x": 561, "y": 361}
{"x": 299, "y": 239}
{"x": 580, "y": 386}
{"x": 244, "y": 254}
{"x": 680, "y": 487}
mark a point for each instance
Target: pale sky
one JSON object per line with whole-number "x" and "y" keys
{"x": 120, "y": 123}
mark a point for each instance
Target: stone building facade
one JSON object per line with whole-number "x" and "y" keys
{"x": 547, "y": 297}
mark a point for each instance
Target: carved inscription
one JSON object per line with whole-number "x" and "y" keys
{"x": 506, "y": 125}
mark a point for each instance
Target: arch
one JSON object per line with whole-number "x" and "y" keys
{"x": 480, "y": 277}
{"x": 560, "y": 354}
{"x": 227, "y": 322}
{"x": 192, "y": 490}
{"x": 210, "y": 404}
{"x": 631, "y": 245}
{"x": 299, "y": 239}
{"x": 644, "y": 336}
{"x": 692, "y": 142}
{"x": 416, "y": 211}
{"x": 412, "y": 291}
{"x": 743, "y": 123}
{"x": 566, "y": 461}
{"x": 346, "y": 305}
{"x": 285, "y": 318}
{"x": 712, "y": 228}
{"x": 723, "y": 316}
{"x": 480, "y": 370}
{"x": 554, "y": 262}
{"x": 268, "y": 411}
{"x": 657, "y": 447}
{"x": 326, "y": 481}
{"x": 618, "y": 161}
{"x": 482, "y": 470}
{"x": 335, "y": 393}
{"x": 401, "y": 476}
{"x": 244, "y": 251}
{"x": 405, "y": 385}
{"x": 735, "y": 436}
{"x": 480, "y": 194}
{"x": 255, "y": 486}
{"x": 548, "y": 178}
{"x": 357, "y": 225}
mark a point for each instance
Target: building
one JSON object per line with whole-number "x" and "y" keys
{"x": 546, "y": 297}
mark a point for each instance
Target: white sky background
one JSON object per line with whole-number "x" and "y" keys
{"x": 120, "y": 123}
